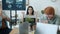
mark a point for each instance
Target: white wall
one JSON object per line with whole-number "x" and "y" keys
{"x": 0, "y": 0}
{"x": 39, "y": 5}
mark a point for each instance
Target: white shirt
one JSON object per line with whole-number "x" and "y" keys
{"x": 4, "y": 14}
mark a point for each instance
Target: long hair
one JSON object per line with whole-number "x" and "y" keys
{"x": 32, "y": 10}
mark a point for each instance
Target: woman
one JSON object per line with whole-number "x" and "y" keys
{"x": 30, "y": 13}
{"x": 50, "y": 17}
{"x": 30, "y": 10}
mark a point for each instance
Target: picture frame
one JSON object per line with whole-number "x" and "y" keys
{"x": 14, "y": 4}
{"x": 27, "y": 2}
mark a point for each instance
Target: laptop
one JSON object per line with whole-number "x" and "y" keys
{"x": 42, "y": 28}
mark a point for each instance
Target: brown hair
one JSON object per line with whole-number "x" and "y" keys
{"x": 49, "y": 11}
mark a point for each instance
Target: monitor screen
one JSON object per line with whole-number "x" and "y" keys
{"x": 13, "y": 4}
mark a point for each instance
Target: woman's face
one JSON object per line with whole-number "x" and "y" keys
{"x": 50, "y": 16}
{"x": 30, "y": 11}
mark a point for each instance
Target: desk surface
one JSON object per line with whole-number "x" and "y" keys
{"x": 16, "y": 31}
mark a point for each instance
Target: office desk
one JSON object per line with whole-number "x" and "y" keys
{"x": 20, "y": 27}
{"x": 16, "y": 31}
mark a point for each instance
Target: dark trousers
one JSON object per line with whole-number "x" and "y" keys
{"x": 5, "y": 31}
{"x": 58, "y": 32}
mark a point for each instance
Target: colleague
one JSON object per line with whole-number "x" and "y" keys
{"x": 32, "y": 13}
{"x": 5, "y": 18}
{"x": 49, "y": 16}
{"x": 3, "y": 25}
{"x": 0, "y": 20}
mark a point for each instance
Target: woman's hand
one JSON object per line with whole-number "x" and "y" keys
{"x": 45, "y": 21}
{"x": 8, "y": 19}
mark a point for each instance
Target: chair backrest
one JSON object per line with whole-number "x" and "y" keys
{"x": 3, "y": 24}
{"x": 23, "y": 28}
